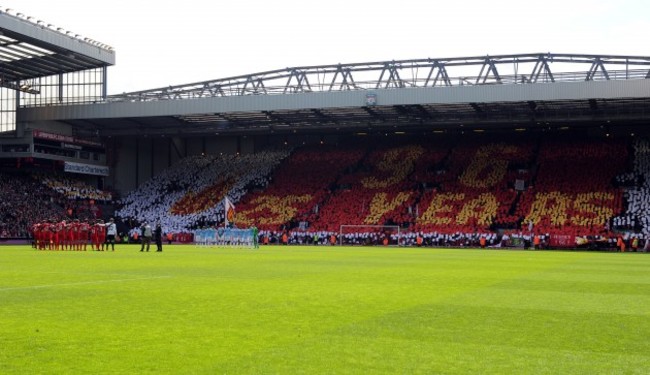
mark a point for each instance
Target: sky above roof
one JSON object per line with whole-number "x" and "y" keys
{"x": 162, "y": 43}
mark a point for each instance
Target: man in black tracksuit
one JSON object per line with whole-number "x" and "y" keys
{"x": 157, "y": 236}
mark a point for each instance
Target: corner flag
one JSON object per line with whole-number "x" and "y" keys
{"x": 229, "y": 211}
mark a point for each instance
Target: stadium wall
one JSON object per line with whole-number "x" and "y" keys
{"x": 138, "y": 159}
{"x": 195, "y": 146}
{"x": 123, "y": 172}
{"x": 55, "y": 127}
{"x": 145, "y": 159}
{"x": 161, "y": 155}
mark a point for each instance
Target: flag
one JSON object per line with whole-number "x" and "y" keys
{"x": 229, "y": 211}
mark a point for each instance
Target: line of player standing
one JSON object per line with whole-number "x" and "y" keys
{"x": 73, "y": 235}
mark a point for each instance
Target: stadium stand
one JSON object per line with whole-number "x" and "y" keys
{"x": 450, "y": 193}
{"x": 500, "y": 169}
{"x": 299, "y": 188}
{"x": 75, "y": 190}
{"x": 27, "y": 199}
{"x": 190, "y": 193}
{"x": 573, "y": 192}
{"x": 378, "y": 191}
{"x": 636, "y": 185}
{"x": 477, "y": 188}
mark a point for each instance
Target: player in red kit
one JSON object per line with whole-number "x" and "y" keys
{"x": 35, "y": 235}
{"x": 98, "y": 234}
{"x": 56, "y": 234}
{"x": 62, "y": 232}
{"x": 52, "y": 235}
{"x": 41, "y": 236}
{"x": 67, "y": 236}
{"x": 45, "y": 235}
{"x": 84, "y": 230}
{"x": 34, "y": 231}
{"x": 73, "y": 235}
{"x": 93, "y": 236}
{"x": 102, "y": 234}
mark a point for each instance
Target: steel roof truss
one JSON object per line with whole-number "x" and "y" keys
{"x": 347, "y": 81}
{"x": 302, "y": 83}
{"x": 403, "y": 73}
{"x": 393, "y": 79}
{"x": 442, "y": 75}
{"x": 595, "y": 66}
{"x": 256, "y": 86}
{"x": 541, "y": 66}
{"x": 491, "y": 68}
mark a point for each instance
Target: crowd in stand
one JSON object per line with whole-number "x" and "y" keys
{"x": 637, "y": 192}
{"x": 383, "y": 236}
{"x": 573, "y": 192}
{"x": 376, "y": 191}
{"x": 26, "y": 199}
{"x": 442, "y": 193}
{"x": 299, "y": 188}
{"x": 477, "y": 192}
{"x": 206, "y": 179}
{"x": 476, "y": 188}
{"x": 74, "y": 189}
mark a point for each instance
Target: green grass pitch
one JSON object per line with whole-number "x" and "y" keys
{"x": 323, "y": 310}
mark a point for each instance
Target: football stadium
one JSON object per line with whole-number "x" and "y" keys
{"x": 449, "y": 215}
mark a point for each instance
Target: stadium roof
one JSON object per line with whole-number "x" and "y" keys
{"x": 429, "y": 72}
{"x": 488, "y": 91}
{"x": 31, "y": 48}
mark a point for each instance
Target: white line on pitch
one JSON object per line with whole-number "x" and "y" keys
{"x": 83, "y": 283}
{"x": 82, "y": 273}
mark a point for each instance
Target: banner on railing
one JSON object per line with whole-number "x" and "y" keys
{"x": 562, "y": 240}
{"x": 97, "y": 170}
{"x": 223, "y": 236}
{"x": 64, "y": 138}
